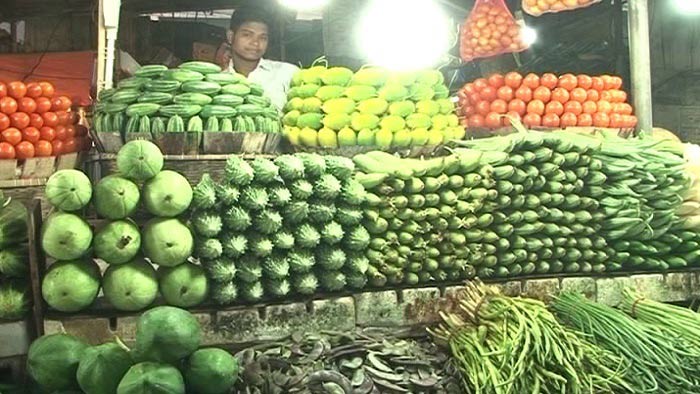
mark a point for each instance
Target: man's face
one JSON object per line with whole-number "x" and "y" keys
{"x": 249, "y": 41}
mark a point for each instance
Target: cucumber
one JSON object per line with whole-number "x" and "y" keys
{"x": 250, "y": 124}
{"x": 132, "y": 125}
{"x": 151, "y": 71}
{"x": 240, "y": 125}
{"x": 132, "y": 83}
{"x": 256, "y": 89}
{"x": 145, "y": 124}
{"x": 175, "y": 124}
{"x": 192, "y": 99}
{"x": 250, "y": 109}
{"x": 182, "y": 75}
{"x": 225, "y": 78}
{"x": 118, "y": 120}
{"x": 162, "y": 85}
{"x": 195, "y": 124}
{"x": 156, "y": 98}
{"x": 271, "y": 113}
{"x": 97, "y": 122}
{"x": 185, "y": 110}
{"x": 218, "y": 110}
{"x": 260, "y": 125}
{"x": 200, "y": 67}
{"x": 106, "y": 123}
{"x": 157, "y": 125}
{"x": 230, "y": 100}
{"x": 258, "y": 100}
{"x": 125, "y": 96}
{"x": 226, "y": 125}
{"x": 113, "y": 108}
{"x": 203, "y": 87}
{"x": 212, "y": 124}
{"x": 237, "y": 89}
{"x": 106, "y": 94}
{"x": 142, "y": 109}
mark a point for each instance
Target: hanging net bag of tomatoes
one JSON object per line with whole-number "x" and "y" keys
{"x": 490, "y": 30}
{"x": 539, "y": 7}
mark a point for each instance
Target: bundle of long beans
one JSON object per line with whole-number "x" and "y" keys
{"x": 505, "y": 345}
{"x": 679, "y": 321}
{"x": 657, "y": 362}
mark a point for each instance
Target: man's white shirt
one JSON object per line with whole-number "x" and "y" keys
{"x": 275, "y": 78}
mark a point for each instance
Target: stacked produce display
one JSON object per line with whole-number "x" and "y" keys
{"x": 14, "y": 260}
{"x": 130, "y": 282}
{"x": 197, "y": 96}
{"x": 271, "y": 229}
{"x": 334, "y": 107}
{"x": 490, "y": 30}
{"x": 165, "y": 358}
{"x": 546, "y": 101}
{"x": 35, "y": 122}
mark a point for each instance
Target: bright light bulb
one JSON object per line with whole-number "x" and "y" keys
{"x": 304, "y": 5}
{"x": 529, "y": 35}
{"x": 688, "y": 6}
{"x": 404, "y": 34}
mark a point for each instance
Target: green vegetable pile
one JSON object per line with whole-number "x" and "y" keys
{"x": 166, "y": 358}
{"x": 269, "y": 229}
{"x": 130, "y": 282}
{"x": 14, "y": 260}
{"x": 515, "y": 345}
{"x": 334, "y": 107}
{"x": 196, "y": 96}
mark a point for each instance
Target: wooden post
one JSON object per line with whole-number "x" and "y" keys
{"x": 101, "y": 48}
{"x": 640, "y": 63}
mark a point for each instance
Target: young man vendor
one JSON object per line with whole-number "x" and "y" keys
{"x": 248, "y": 39}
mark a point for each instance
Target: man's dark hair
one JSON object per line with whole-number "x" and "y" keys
{"x": 250, "y": 14}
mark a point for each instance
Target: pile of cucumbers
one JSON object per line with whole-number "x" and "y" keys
{"x": 196, "y": 96}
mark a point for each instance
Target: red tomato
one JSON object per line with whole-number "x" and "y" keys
{"x": 496, "y": 80}
{"x": 47, "y": 89}
{"x": 19, "y": 120}
{"x": 626, "y": 109}
{"x": 512, "y": 117}
{"x": 579, "y": 94}
{"x": 616, "y": 82}
{"x": 524, "y": 93}
{"x": 8, "y": 105}
{"x": 601, "y": 119}
{"x": 518, "y": 106}
{"x": 70, "y": 145}
{"x": 26, "y": 105}
{"x": 468, "y": 110}
{"x": 476, "y": 121}
{"x": 493, "y": 120}
{"x": 554, "y": 107}
{"x": 589, "y": 107}
{"x": 606, "y": 95}
{"x": 64, "y": 118}
{"x": 499, "y": 106}
{"x": 568, "y": 82}
{"x": 543, "y": 94}
{"x": 35, "y": 120}
{"x": 532, "y": 81}
{"x": 592, "y": 95}
{"x": 584, "y": 81}
{"x": 551, "y": 120}
{"x": 532, "y": 120}
{"x": 60, "y": 103}
{"x": 568, "y": 120}
{"x": 25, "y": 150}
{"x": 468, "y": 89}
{"x": 56, "y": 147}
{"x": 585, "y": 120}
{"x": 43, "y": 105}
{"x": 4, "y": 121}
{"x": 7, "y": 151}
{"x": 619, "y": 96}
{"x": 561, "y": 95}
{"x": 43, "y": 148}
{"x": 535, "y": 107}
{"x": 607, "y": 82}
{"x": 483, "y": 108}
{"x": 488, "y": 93}
{"x": 50, "y": 119}
{"x": 16, "y": 89}
{"x": 604, "y": 107}
{"x": 573, "y": 107}
{"x": 514, "y": 79}
{"x": 12, "y": 136}
{"x": 630, "y": 120}
{"x": 31, "y": 134}
{"x": 3, "y": 90}
{"x": 505, "y": 93}
{"x": 61, "y": 132}
{"x": 80, "y": 130}
{"x": 70, "y": 131}
{"x": 480, "y": 83}
{"x": 47, "y": 133}
{"x": 616, "y": 120}
{"x": 33, "y": 90}
{"x": 597, "y": 83}
{"x": 474, "y": 98}
{"x": 549, "y": 80}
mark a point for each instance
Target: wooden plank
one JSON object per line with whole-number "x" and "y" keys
{"x": 8, "y": 169}
{"x": 37, "y": 267}
{"x": 68, "y": 161}
{"x": 38, "y": 167}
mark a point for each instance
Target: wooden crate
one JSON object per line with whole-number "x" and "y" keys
{"x": 38, "y": 167}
